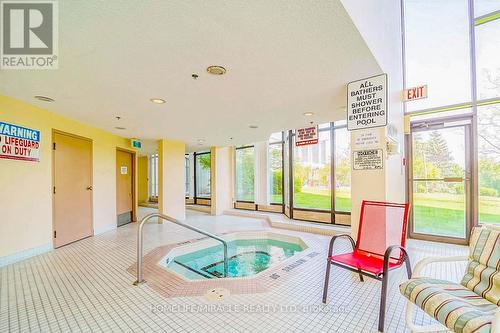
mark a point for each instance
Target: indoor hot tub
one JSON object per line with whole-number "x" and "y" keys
{"x": 249, "y": 253}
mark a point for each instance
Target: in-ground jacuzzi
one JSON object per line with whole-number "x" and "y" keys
{"x": 249, "y": 253}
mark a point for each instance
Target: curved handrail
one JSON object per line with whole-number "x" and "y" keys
{"x": 140, "y": 271}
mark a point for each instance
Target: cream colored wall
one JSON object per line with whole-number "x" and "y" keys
{"x": 222, "y": 195}
{"x": 26, "y": 187}
{"x": 142, "y": 179}
{"x": 171, "y": 169}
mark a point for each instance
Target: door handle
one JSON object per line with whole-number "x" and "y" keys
{"x": 89, "y": 188}
{"x": 453, "y": 179}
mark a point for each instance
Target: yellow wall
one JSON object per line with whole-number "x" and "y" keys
{"x": 142, "y": 179}
{"x": 25, "y": 194}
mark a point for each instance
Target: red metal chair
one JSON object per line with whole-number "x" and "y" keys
{"x": 382, "y": 229}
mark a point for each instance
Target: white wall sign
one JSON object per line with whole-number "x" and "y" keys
{"x": 306, "y": 136}
{"x": 368, "y": 159}
{"x": 123, "y": 170}
{"x": 415, "y": 93}
{"x": 367, "y": 103}
{"x": 19, "y": 143}
{"x": 366, "y": 138}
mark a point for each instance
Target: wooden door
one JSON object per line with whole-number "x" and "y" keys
{"x": 124, "y": 187}
{"x": 72, "y": 191}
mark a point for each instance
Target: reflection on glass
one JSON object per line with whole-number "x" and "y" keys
{"x": 245, "y": 160}
{"x": 439, "y": 205}
{"x": 439, "y": 208}
{"x": 342, "y": 170}
{"x": 437, "y": 51}
{"x": 489, "y": 163}
{"x": 488, "y": 59}
{"x": 187, "y": 173}
{"x": 276, "y": 137}
{"x": 275, "y": 173}
{"x": 483, "y": 7}
{"x": 153, "y": 169}
{"x": 286, "y": 169}
{"x": 312, "y": 174}
{"x": 203, "y": 164}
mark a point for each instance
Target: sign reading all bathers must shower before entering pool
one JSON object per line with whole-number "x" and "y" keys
{"x": 19, "y": 143}
{"x": 367, "y": 103}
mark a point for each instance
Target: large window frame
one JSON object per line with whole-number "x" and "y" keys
{"x": 282, "y": 144}
{"x": 450, "y": 111}
{"x": 201, "y": 200}
{"x": 237, "y": 149}
{"x": 330, "y": 128}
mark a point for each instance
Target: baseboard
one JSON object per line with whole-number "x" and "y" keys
{"x": 22, "y": 255}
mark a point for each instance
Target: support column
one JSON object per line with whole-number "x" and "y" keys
{"x": 171, "y": 187}
{"x": 366, "y": 184}
{"x": 222, "y": 179}
{"x": 261, "y": 179}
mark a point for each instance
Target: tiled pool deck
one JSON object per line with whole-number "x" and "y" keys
{"x": 85, "y": 287}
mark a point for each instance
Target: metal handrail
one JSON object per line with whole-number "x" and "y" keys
{"x": 140, "y": 268}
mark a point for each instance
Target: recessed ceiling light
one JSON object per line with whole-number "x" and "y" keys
{"x": 216, "y": 70}
{"x": 201, "y": 141}
{"x": 44, "y": 98}
{"x": 253, "y": 126}
{"x": 308, "y": 114}
{"x": 120, "y": 128}
{"x": 157, "y": 100}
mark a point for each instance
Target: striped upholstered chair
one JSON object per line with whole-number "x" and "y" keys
{"x": 472, "y": 305}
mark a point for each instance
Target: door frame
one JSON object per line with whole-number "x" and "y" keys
{"x": 469, "y": 176}
{"x": 134, "y": 180}
{"x": 53, "y": 174}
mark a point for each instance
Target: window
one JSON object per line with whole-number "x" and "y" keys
{"x": 275, "y": 160}
{"x": 203, "y": 174}
{"x": 342, "y": 170}
{"x": 489, "y": 163}
{"x": 187, "y": 175}
{"x": 438, "y": 54}
{"x": 245, "y": 161}
{"x": 483, "y": 7}
{"x": 153, "y": 176}
{"x": 437, "y": 51}
{"x": 312, "y": 177}
{"x": 488, "y": 59}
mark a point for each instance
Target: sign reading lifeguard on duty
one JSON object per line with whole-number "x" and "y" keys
{"x": 367, "y": 103}
{"x": 415, "y": 93}
{"x": 306, "y": 136}
{"x": 19, "y": 143}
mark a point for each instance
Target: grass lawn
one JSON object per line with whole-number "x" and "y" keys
{"x": 435, "y": 213}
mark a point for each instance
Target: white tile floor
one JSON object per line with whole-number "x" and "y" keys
{"x": 84, "y": 287}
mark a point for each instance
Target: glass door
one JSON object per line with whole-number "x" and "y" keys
{"x": 439, "y": 180}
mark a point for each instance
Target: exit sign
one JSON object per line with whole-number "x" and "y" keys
{"x": 415, "y": 93}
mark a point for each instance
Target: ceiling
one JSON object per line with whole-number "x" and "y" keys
{"x": 283, "y": 58}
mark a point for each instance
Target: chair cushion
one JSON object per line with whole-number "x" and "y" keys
{"x": 453, "y": 305}
{"x": 363, "y": 261}
{"x": 483, "y": 271}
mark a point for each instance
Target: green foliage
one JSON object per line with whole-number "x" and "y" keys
{"x": 489, "y": 175}
{"x": 277, "y": 182}
{"x": 245, "y": 173}
{"x": 204, "y": 161}
{"x": 300, "y": 176}
{"x": 488, "y": 191}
